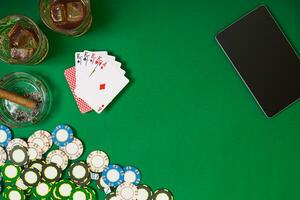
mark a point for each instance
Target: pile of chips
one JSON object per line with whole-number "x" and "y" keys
{"x": 26, "y": 172}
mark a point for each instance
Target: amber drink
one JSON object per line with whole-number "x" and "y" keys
{"x": 21, "y": 41}
{"x": 70, "y": 17}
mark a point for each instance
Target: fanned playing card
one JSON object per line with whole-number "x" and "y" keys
{"x": 70, "y": 75}
{"x": 102, "y": 88}
{"x": 96, "y": 80}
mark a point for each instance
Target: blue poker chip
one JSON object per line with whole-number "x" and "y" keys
{"x": 132, "y": 175}
{"x": 5, "y": 135}
{"x": 62, "y": 135}
{"x": 113, "y": 175}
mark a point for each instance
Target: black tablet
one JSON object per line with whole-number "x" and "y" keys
{"x": 264, "y": 58}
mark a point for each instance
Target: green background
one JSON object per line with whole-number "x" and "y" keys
{"x": 186, "y": 119}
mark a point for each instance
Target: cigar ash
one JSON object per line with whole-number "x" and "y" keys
{"x": 21, "y": 114}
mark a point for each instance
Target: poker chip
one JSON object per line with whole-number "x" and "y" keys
{"x": 91, "y": 192}
{"x": 113, "y": 175}
{"x": 13, "y": 193}
{"x": 103, "y": 186}
{"x": 73, "y": 149}
{"x": 97, "y": 161}
{"x": 64, "y": 188}
{"x": 41, "y": 138}
{"x": 20, "y": 184}
{"x": 51, "y": 172}
{"x": 3, "y": 156}
{"x": 5, "y": 135}
{"x": 144, "y": 192}
{"x": 62, "y": 135}
{"x": 18, "y": 155}
{"x": 34, "y": 151}
{"x": 42, "y": 190}
{"x": 31, "y": 177}
{"x": 10, "y": 172}
{"x": 79, "y": 193}
{"x": 162, "y": 194}
{"x": 58, "y": 157}
{"x": 79, "y": 173}
{"x": 15, "y": 142}
{"x": 127, "y": 191}
{"x": 132, "y": 175}
{"x": 37, "y": 164}
{"x": 111, "y": 196}
{"x": 25, "y": 173}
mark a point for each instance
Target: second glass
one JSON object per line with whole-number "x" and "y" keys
{"x": 70, "y": 17}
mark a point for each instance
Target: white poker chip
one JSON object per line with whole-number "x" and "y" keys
{"x": 97, "y": 161}
{"x": 34, "y": 151}
{"x": 127, "y": 191}
{"x": 59, "y": 158}
{"x": 73, "y": 149}
{"x": 144, "y": 192}
{"x": 43, "y": 139}
{"x": 15, "y": 142}
{"x": 3, "y": 156}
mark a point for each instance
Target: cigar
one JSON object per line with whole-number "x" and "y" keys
{"x": 18, "y": 99}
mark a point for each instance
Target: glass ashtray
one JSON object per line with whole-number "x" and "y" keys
{"x": 30, "y": 86}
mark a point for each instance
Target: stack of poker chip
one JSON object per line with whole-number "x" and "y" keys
{"x": 35, "y": 168}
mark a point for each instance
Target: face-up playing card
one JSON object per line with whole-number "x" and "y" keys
{"x": 102, "y": 88}
{"x": 82, "y": 66}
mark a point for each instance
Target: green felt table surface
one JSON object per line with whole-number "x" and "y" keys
{"x": 186, "y": 120}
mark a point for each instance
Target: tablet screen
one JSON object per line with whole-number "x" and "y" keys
{"x": 264, "y": 59}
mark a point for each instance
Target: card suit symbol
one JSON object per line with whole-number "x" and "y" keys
{"x": 104, "y": 65}
{"x": 101, "y": 107}
{"x": 102, "y": 87}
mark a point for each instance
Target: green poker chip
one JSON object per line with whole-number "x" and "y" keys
{"x": 80, "y": 193}
{"x": 20, "y": 184}
{"x": 63, "y": 189}
{"x": 42, "y": 190}
{"x": 12, "y": 192}
{"x": 91, "y": 192}
{"x": 10, "y": 172}
{"x": 54, "y": 196}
